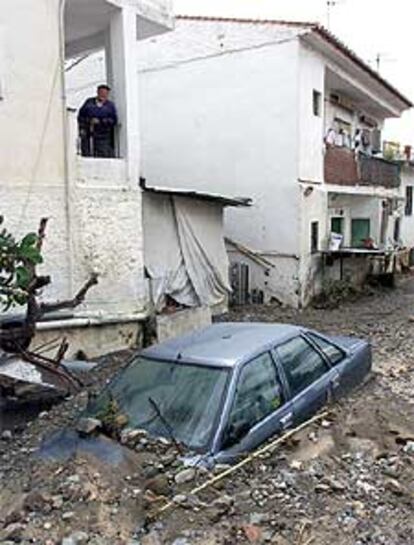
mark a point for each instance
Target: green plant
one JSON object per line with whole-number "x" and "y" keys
{"x": 18, "y": 261}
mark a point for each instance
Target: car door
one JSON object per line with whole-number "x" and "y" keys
{"x": 258, "y": 410}
{"x": 308, "y": 376}
{"x": 351, "y": 366}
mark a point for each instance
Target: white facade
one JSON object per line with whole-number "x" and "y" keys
{"x": 240, "y": 120}
{"x": 93, "y": 205}
{"x": 407, "y": 193}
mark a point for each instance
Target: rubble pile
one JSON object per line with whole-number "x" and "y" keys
{"x": 347, "y": 480}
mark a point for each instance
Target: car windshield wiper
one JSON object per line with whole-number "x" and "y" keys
{"x": 167, "y": 425}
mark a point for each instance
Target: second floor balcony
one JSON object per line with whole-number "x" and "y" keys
{"x": 345, "y": 167}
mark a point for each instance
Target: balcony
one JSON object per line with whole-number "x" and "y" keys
{"x": 344, "y": 167}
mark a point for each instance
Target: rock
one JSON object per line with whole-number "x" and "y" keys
{"x": 253, "y": 533}
{"x": 77, "y": 538}
{"x": 121, "y": 420}
{"x": 47, "y": 525}
{"x": 130, "y": 436}
{"x": 359, "y": 509}
{"x": 57, "y": 502}
{"x": 181, "y": 541}
{"x": 159, "y": 485}
{"x": 321, "y": 487}
{"x": 394, "y": 486}
{"x": 409, "y": 447}
{"x": 68, "y": 515}
{"x": 335, "y": 485}
{"x": 12, "y": 532}
{"x": 36, "y": 501}
{"x": 185, "y": 476}
{"x": 73, "y": 479}
{"x": 151, "y": 539}
{"x": 16, "y": 511}
{"x": 258, "y": 518}
{"x": 180, "y": 499}
{"x": 224, "y": 501}
{"x": 7, "y": 435}
{"x": 87, "y": 426}
{"x": 326, "y": 423}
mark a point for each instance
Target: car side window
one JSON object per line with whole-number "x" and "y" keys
{"x": 258, "y": 393}
{"x": 301, "y": 363}
{"x": 333, "y": 353}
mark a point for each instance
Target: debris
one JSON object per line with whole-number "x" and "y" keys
{"x": 86, "y": 426}
{"x": 185, "y": 476}
{"x": 253, "y": 533}
{"x": 77, "y": 538}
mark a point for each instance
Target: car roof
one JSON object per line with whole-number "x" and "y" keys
{"x": 222, "y": 345}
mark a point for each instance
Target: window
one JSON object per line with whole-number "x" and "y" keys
{"x": 334, "y": 354}
{"x": 360, "y": 232}
{"x": 314, "y": 236}
{"x": 337, "y": 225}
{"x": 397, "y": 229}
{"x": 409, "y": 200}
{"x": 302, "y": 364}
{"x": 316, "y": 103}
{"x": 258, "y": 394}
{"x": 189, "y": 397}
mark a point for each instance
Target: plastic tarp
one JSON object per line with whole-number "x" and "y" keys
{"x": 184, "y": 250}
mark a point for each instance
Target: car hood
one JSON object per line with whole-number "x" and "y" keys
{"x": 348, "y": 343}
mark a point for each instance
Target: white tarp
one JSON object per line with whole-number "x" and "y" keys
{"x": 184, "y": 249}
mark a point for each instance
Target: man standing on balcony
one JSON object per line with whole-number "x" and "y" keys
{"x": 97, "y": 121}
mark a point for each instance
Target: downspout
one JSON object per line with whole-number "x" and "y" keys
{"x": 66, "y": 170}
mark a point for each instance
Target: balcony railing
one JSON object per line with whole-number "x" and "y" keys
{"x": 344, "y": 167}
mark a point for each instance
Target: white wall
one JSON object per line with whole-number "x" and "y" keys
{"x": 407, "y": 224}
{"x": 356, "y": 207}
{"x": 311, "y": 77}
{"x": 94, "y": 208}
{"x": 228, "y": 122}
{"x": 31, "y": 130}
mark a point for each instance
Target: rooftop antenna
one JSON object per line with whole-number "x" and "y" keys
{"x": 330, "y": 4}
{"x": 380, "y": 58}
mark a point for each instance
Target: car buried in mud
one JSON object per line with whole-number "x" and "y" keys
{"x": 224, "y": 390}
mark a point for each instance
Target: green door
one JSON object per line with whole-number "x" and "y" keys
{"x": 360, "y": 231}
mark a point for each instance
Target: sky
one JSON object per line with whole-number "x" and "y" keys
{"x": 369, "y": 27}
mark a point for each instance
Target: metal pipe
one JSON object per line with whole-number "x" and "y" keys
{"x": 73, "y": 323}
{"x": 66, "y": 170}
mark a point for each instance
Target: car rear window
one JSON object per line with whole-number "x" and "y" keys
{"x": 301, "y": 363}
{"x": 332, "y": 352}
{"x": 165, "y": 397}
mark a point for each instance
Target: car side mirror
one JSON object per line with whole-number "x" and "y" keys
{"x": 235, "y": 433}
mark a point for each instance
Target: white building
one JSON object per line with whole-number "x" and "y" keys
{"x": 407, "y": 186}
{"x": 272, "y": 110}
{"x": 94, "y": 205}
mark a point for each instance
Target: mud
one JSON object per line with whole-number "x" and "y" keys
{"x": 348, "y": 480}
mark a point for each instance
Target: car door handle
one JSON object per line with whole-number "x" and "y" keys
{"x": 286, "y": 420}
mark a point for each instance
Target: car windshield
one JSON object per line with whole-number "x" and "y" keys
{"x": 163, "y": 397}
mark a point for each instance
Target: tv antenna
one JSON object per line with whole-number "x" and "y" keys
{"x": 330, "y": 4}
{"x": 380, "y": 58}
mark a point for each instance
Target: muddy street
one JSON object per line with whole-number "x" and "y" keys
{"x": 347, "y": 479}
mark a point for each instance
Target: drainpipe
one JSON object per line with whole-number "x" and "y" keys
{"x": 66, "y": 172}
